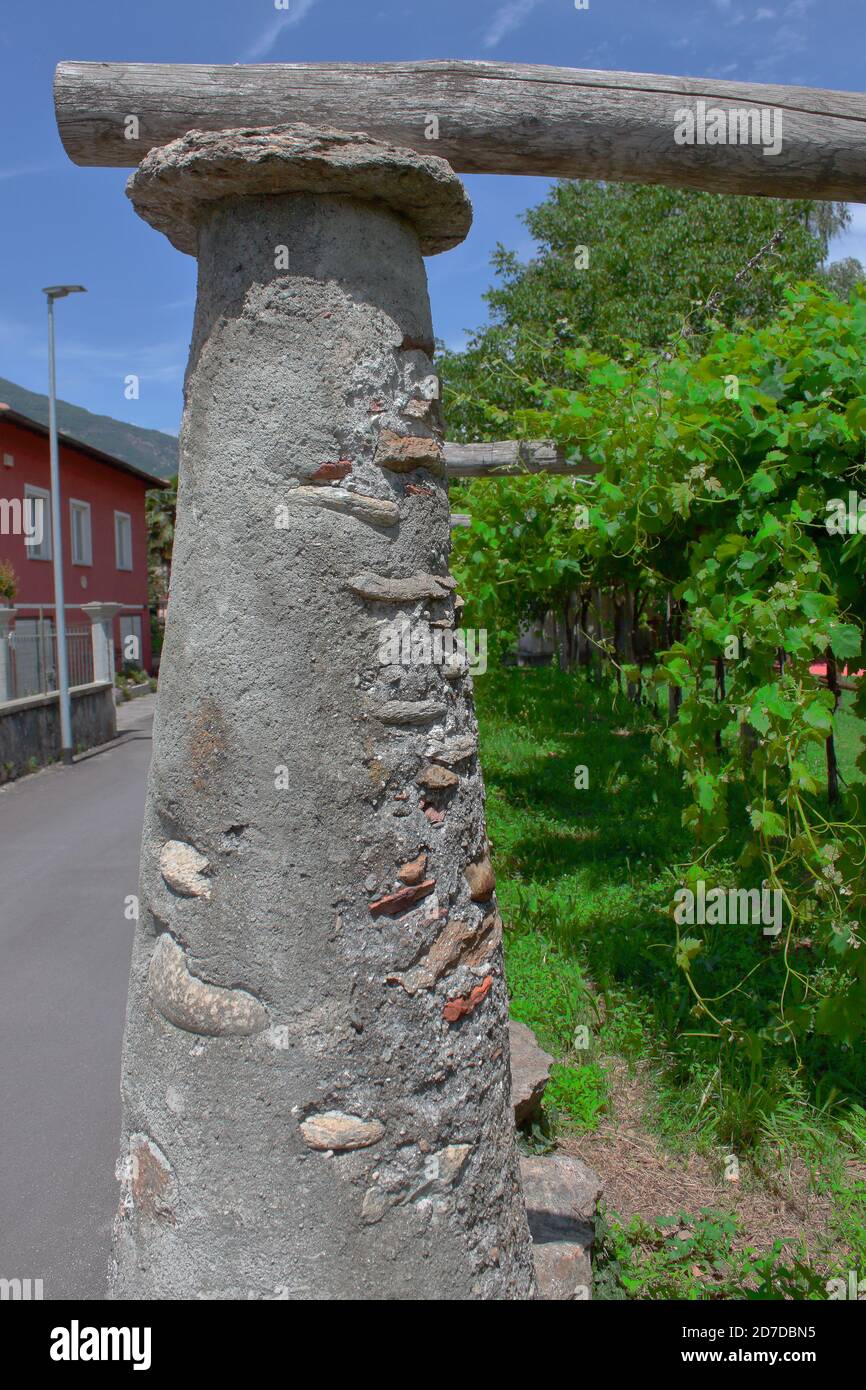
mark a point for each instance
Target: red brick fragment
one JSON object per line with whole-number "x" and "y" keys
{"x": 404, "y": 453}
{"x": 395, "y": 903}
{"x": 460, "y": 1007}
{"x": 326, "y": 472}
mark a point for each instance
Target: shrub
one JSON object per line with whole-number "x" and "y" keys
{"x": 8, "y": 581}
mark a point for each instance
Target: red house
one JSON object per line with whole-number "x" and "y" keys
{"x": 103, "y": 529}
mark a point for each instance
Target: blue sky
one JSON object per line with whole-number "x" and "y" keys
{"x": 59, "y": 223}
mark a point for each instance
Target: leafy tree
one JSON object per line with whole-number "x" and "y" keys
{"x": 842, "y": 276}
{"x": 655, "y": 256}
{"x": 160, "y": 507}
{"x": 726, "y": 477}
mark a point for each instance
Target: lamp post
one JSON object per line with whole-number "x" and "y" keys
{"x": 58, "y": 292}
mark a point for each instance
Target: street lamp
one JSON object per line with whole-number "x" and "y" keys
{"x": 58, "y": 292}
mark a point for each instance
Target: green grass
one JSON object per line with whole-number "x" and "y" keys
{"x": 584, "y": 878}
{"x": 696, "y": 1257}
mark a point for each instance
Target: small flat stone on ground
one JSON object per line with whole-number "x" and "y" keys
{"x": 561, "y": 1195}
{"x": 530, "y": 1071}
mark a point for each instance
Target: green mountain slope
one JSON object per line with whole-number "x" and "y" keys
{"x": 152, "y": 450}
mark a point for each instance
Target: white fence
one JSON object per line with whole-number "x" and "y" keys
{"x": 33, "y": 653}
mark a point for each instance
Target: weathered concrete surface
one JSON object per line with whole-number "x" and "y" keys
{"x": 561, "y": 1197}
{"x": 175, "y": 185}
{"x": 286, "y": 756}
{"x": 530, "y": 1071}
{"x": 30, "y": 727}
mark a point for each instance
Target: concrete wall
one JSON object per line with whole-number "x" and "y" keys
{"x": 30, "y": 728}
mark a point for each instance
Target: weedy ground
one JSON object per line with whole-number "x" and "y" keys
{"x": 728, "y": 1172}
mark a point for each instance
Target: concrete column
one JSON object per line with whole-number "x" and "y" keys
{"x": 315, "y": 1076}
{"x": 102, "y": 616}
{"x": 6, "y": 617}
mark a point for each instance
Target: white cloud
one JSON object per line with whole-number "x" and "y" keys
{"x": 785, "y": 42}
{"x": 30, "y": 169}
{"x": 285, "y": 19}
{"x": 507, "y": 18}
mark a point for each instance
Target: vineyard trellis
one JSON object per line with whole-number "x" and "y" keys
{"x": 209, "y": 142}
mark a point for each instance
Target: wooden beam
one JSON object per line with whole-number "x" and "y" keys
{"x": 493, "y": 118}
{"x": 509, "y": 458}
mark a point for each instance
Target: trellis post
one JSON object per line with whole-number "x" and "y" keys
{"x": 315, "y": 1078}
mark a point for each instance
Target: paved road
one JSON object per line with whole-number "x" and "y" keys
{"x": 69, "y": 841}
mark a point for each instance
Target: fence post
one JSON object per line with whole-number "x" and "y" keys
{"x": 315, "y": 1079}
{"x": 102, "y": 617}
{"x": 6, "y": 617}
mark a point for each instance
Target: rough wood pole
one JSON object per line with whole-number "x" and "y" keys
{"x": 493, "y": 118}
{"x": 315, "y": 1078}
{"x": 512, "y": 457}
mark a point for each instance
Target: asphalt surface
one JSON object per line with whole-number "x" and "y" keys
{"x": 69, "y": 845}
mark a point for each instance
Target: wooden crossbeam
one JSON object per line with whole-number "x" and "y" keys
{"x": 489, "y": 118}
{"x": 510, "y": 457}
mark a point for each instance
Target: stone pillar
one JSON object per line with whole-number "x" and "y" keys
{"x": 315, "y": 1077}
{"x": 6, "y": 617}
{"x": 102, "y": 616}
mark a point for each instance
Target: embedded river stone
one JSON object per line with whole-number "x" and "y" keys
{"x": 413, "y": 870}
{"x": 278, "y": 1071}
{"x": 411, "y": 590}
{"x": 335, "y": 1131}
{"x": 437, "y": 779}
{"x": 183, "y": 868}
{"x": 191, "y": 1003}
{"x": 378, "y": 511}
{"x": 453, "y": 751}
{"x": 480, "y": 878}
{"x": 411, "y": 712}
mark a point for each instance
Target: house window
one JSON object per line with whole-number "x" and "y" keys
{"x": 79, "y": 525}
{"x": 123, "y": 540}
{"x": 37, "y": 508}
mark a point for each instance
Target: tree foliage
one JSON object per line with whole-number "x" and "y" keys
{"x": 720, "y": 475}
{"x": 654, "y": 255}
